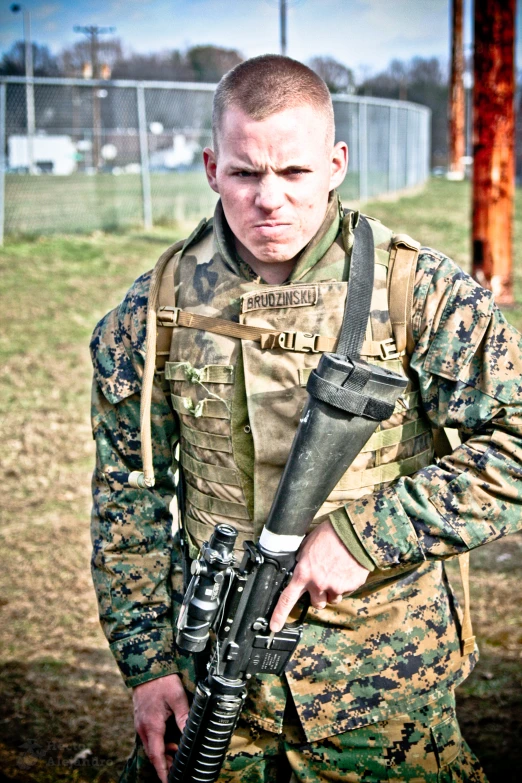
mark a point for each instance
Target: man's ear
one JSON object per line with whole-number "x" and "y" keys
{"x": 210, "y": 163}
{"x": 339, "y": 164}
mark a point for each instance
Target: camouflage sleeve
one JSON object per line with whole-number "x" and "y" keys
{"x": 469, "y": 364}
{"x": 131, "y": 529}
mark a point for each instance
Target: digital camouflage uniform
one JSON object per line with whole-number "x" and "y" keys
{"x": 377, "y": 672}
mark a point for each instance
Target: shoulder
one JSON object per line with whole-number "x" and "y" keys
{"x": 461, "y": 335}
{"x": 118, "y": 343}
{"x": 443, "y": 288}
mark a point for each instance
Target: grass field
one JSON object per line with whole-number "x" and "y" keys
{"x": 61, "y": 692}
{"x": 82, "y": 203}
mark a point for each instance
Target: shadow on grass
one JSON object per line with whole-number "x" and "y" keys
{"x": 489, "y": 707}
{"x": 63, "y": 722}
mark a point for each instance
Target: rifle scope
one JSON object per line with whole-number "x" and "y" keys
{"x": 203, "y": 596}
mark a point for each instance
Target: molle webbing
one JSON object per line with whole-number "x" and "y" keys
{"x": 214, "y": 505}
{"x": 209, "y": 471}
{"x": 382, "y": 474}
{"x": 210, "y": 408}
{"x": 171, "y": 317}
{"x": 206, "y": 440}
{"x": 210, "y": 373}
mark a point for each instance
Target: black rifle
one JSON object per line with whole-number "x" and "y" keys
{"x": 347, "y": 399}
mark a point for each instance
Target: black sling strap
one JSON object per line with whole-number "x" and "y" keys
{"x": 343, "y": 380}
{"x": 360, "y": 288}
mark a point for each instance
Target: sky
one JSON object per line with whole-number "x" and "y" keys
{"x": 363, "y": 34}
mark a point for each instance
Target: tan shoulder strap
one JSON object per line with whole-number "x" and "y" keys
{"x": 166, "y": 299}
{"x": 467, "y": 637}
{"x": 401, "y": 278}
{"x": 146, "y": 479}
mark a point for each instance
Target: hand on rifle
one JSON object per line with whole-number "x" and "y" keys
{"x": 154, "y": 702}
{"x": 325, "y": 569}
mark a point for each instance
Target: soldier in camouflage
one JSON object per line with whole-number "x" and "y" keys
{"x": 369, "y": 694}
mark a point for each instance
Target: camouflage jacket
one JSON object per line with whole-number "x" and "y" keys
{"x": 468, "y": 361}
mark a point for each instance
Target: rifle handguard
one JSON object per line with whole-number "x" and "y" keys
{"x": 213, "y": 716}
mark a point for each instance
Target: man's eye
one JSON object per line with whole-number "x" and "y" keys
{"x": 244, "y": 174}
{"x": 294, "y": 172}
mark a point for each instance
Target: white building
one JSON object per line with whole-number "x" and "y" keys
{"x": 51, "y": 154}
{"x": 182, "y": 153}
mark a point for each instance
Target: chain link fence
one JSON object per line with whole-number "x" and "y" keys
{"x": 106, "y": 155}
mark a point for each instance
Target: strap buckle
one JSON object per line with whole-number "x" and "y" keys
{"x": 389, "y": 349}
{"x": 298, "y": 341}
{"x": 168, "y": 316}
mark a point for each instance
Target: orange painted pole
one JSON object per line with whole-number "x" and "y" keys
{"x": 457, "y": 114}
{"x": 494, "y": 146}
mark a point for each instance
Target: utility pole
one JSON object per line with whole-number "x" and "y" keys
{"x": 282, "y": 21}
{"x": 93, "y": 32}
{"x": 457, "y": 111}
{"x": 493, "y": 146}
{"x": 29, "y": 85}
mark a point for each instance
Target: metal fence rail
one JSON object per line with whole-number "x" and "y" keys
{"x": 109, "y": 154}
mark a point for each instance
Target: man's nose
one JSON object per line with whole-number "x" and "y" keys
{"x": 270, "y": 193}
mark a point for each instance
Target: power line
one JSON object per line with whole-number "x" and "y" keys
{"x": 93, "y": 31}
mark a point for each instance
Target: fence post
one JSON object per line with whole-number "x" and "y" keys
{"x": 363, "y": 152}
{"x": 393, "y": 149}
{"x": 144, "y": 158}
{"x": 2, "y": 159}
{"x": 427, "y": 151}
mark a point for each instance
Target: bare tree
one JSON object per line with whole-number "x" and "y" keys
{"x": 44, "y": 63}
{"x": 165, "y": 66}
{"x": 422, "y": 80}
{"x": 210, "y": 63}
{"x": 199, "y": 63}
{"x": 75, "y": 58}
{"x": 338, "y": 77}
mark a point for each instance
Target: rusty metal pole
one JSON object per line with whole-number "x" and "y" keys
{"x": 494, "y": 146}
{"x": 457, "y": 114}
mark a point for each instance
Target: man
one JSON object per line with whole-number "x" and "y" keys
{"x": 369, "y": 694}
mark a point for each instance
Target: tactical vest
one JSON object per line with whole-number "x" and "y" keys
{"x": 237, "y": 354}
{"x": 211, "y": 374}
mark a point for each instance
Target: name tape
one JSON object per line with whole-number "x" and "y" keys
{"x": 302, "y": 296}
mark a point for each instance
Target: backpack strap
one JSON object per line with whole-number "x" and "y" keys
{"x": 401, "y": 278}
{"x": 166, "y": 299}
{"x": 466, "y": 631}
{"x": 146, "y": 479}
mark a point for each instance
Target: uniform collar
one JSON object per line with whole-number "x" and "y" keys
{"x": 309, "y": 256}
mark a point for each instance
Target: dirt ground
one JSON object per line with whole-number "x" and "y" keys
{"x": 64, "y": 712}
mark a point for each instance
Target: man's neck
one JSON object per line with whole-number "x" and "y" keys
{"x": 275, "y": 272}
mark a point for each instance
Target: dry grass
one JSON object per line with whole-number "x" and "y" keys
{"x": 61, "y": 692}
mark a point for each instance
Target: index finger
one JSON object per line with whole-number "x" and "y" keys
{"x": 287, "y": 600}
{"x": 156, "y": 753}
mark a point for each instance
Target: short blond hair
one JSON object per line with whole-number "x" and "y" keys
{"x": 268, "y": 84}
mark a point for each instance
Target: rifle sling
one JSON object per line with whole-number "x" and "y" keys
{"x": 360, "y": 289}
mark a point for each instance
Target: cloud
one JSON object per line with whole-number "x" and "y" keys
{"x": 121, "y": 6}
{"x": 404, "y": 20}
{"x": 45, "y": 11}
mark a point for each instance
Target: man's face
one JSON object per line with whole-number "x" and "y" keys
{"x": 274, "y": 177}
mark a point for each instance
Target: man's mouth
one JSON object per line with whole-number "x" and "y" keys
{"x": 271, "y": 224}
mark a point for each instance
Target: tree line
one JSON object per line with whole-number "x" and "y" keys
{"x": 422, "y": 80}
